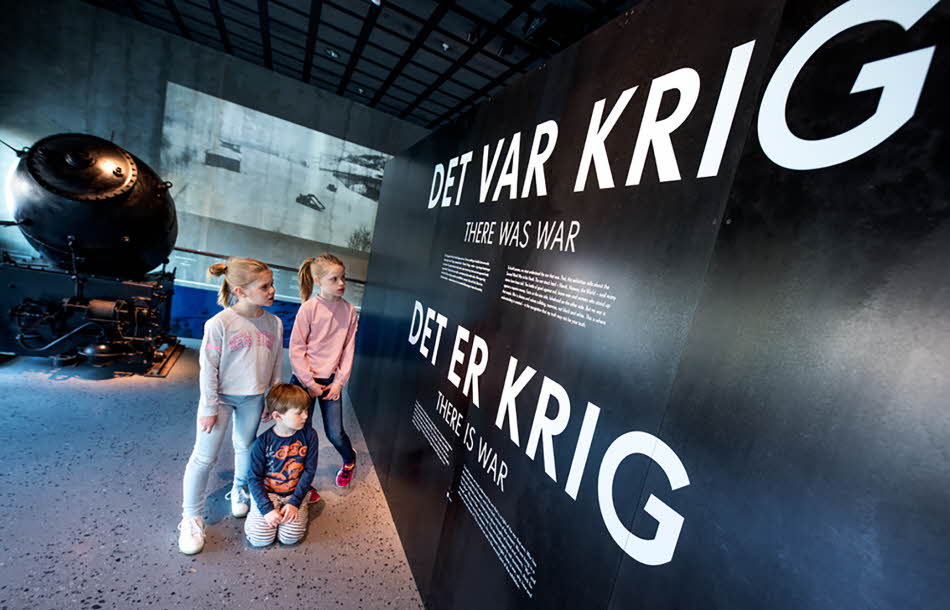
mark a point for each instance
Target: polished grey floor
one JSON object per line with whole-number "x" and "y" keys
{"x": 90, "y": 493}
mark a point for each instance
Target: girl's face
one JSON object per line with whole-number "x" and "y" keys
{"x": 333, "y": 283}
{"x": 259, "y": 292}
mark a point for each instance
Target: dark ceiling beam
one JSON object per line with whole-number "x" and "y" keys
{"x": 290, "y": 9}
{"x": 386, "y": 51}
{"x": 403, "y": 37}
{"x": 222, "y": 30}
{"x": 522, "y": 66}
{"x": 296, "y": 60}
{"x": 360, "y": 17}
{"x": 208, "y": 24}
{"x": 163, "y": 24}
{"x": 250, "y": 26}
{"x": 393, "y": 6}
{"x": 500, "y": 79}
{"x": 413, "y": 79}
{"x": 313, "y": 26}
{"x": 391, "y": 53}
{"x": 513, "y": 13}
{"x": 416, "y": 44}
{"x": 373, "y": 62}
{"x": 251, "y": 43}
{"x": 170, "y": 5}
{"x": 241, "y": 7}
{"x": 483, "y": 23}
{"x": 400, "y": 36}
{"x": 444, "y": 54}
{"x": 265, "y": 33}
{"x": 368, "y": 23}
{"x": 135, "y": 10}
{"x": 370, "y": 87}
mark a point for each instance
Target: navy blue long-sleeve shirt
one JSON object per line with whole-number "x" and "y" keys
{"x": 282, "y": 465}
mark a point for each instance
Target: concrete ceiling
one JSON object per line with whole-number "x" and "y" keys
{"x": 425, "y": 61}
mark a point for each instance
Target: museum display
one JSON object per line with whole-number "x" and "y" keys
{"x": 102, "y": 221}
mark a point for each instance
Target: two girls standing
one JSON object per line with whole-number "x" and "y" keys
{"x": 241, "y": 358}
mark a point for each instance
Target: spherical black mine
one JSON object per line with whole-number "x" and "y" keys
{"x": 82, "y": 198}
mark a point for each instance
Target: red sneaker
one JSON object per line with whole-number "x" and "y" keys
{"x": 313, "y": 496}
{"x": 345, "y": 475}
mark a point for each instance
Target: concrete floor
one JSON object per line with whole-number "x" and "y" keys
{"x": 90, "y": 493}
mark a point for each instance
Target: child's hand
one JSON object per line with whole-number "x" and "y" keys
{"x": 334, "y": 392}
{"x": 290, "y": 513}
{"x": 317, "y": 390}
{"x": 207, "y": 423}
{"x": 273, "y": 518}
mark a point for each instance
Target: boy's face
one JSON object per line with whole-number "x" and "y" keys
{"x": 295, "y": 419}
{"x": 333, "y": 283}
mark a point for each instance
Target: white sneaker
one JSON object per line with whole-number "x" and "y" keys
{"x": 191, "y": 537}
{"x": 240, "y": 502}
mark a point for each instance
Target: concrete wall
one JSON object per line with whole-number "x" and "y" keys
{"x": 69, "y": 66}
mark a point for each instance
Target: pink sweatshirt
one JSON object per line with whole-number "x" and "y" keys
{"x": 323, "y": 340}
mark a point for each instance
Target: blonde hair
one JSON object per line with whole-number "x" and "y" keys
{"x": 284, "y": 397}
{"x": 237, "y": 271}
{"x": 314, "y": 266}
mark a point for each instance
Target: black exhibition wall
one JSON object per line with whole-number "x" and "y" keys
{"x": 665, "y": 324}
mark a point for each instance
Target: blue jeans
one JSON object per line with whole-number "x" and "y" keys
{"x": 332, "y": 411}
{"x": 247, "y": 417}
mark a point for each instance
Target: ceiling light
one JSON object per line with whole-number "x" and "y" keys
{"x": 445, "y": 47}
{"x": 376, "y": 2}
{"x": 532, "y": 25}
{"x": 332, "y": 53}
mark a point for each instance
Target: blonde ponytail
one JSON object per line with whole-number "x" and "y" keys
{"x": 305, "y": 279}
{"x": 237, "y": 272}
{"x": 314, "y": 267}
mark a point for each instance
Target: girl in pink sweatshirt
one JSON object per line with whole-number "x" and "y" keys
{"x": 321, "y": 350}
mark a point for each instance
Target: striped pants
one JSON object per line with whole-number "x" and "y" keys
{"x": 260, "y": 534}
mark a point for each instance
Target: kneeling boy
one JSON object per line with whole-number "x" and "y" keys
{"x": 283, "y": 462}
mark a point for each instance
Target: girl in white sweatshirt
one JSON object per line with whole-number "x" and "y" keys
{"x": 241, "y": 355}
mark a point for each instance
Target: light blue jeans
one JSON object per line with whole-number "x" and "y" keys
{"x": 247, "y": 417}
